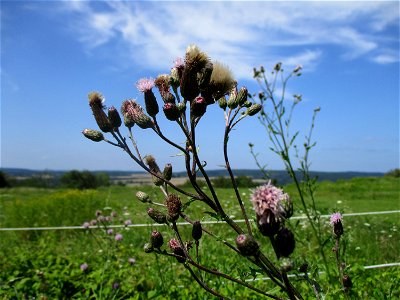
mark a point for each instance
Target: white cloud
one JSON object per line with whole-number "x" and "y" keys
{"x": 241, "y": 34}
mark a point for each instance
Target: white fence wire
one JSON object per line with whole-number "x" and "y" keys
{"x": 186, "y": 223}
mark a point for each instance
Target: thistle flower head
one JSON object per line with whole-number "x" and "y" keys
{"x": 335, "y": 218}
{"x": 173, "y": 244}
{"x": 131, "y": 261}
{"x": 118, "y": 237}
{"x": 163, "y": 84}
{"x": 84, "y": 266}
{"x": 86, "y": 225}
{"x": 134, "y": 112}
{"x": 96, "y": 99}
{"x": 174, "y": 205}
{"x": 145, "y": 84}
{"x": 178, "y": 63}
{"x": 267, "y": 200}
{"x": 195, "y": 59}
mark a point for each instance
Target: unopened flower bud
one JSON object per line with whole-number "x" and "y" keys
{"x": 174, "y": 205}
{"x": 347, "y": 284}
{"x": 198, "y": 107}
{"x": 143, "y": 197}
{"x": 114, "y": 118}
{"x": 156, "y": 239}
{"x": 157, "y": 215}
{"x": 148, "y": 248}
{"x": 175, "y": 78}
{"x": 133, "y": 112}
{"x": 181, "y": 107}
{"x": 177, "y": 250}
{"x": 151, "y": 103}
{"x": 278, "y": 67}
{"x": 285, "y": 242}
{"x": 93, "y": 135}
{"x": 163, "y": 84}
{"x": 167, "y": 173}
{"x": 232, "y": 101}
{"x": 171, "y": 111}
{"x": 197, "y": 231}
{"x": 254, "y": 109}
{"x": 247, "y": 245}
{"x": 268, "y": 227}
{"x": 247, "y": 104}
{"x": 242, "y": 95}
{"x": 222, "y": 102}
{"x": 297, "y": 69}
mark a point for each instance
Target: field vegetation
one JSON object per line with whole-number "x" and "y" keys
{"x": 48, "y": 264}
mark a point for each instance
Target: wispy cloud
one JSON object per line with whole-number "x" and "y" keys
{"x": 242, "y": 34}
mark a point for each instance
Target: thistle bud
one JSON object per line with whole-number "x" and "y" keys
{"x": 96, "y": 104}
{"x": 163, "y": 84}
{"x": 268, "y": 227}
{"x": 171, "y": 111}
{"x": 93, "y": 135}
{"x": 347, "y": 284}
{"x": 189, "y": 86}
{"x": 197, "y": 231}
{"x": 247, "y": 104}
{"x": 242, "y": 95}
{"x": 247, "y": 245}
{"x": 151, "y": 162}
{"x": 151, "y": 103}
{"x": 336, "y": 221}
{"x": 133, "y": 113}
{"x": 177, "y": 250}
{"x": 285, "y": 242}
{"x": 157, "y": 215}
{"x": 169, "y": 98}
{"x": 128, "y": 122}
{"x": 254, "y": 109}
{"x": 114, "y": 118}
{"x": 175, "y": 78}
{"x": 287, "y": 206}
{"x": 148, "y": 248}
{"x": 157, "y": 180}
{"x": 232, "y": 101}
{"x": 181, "y": 107}
{"x": 174, "y": 205}
{"x": 143, "y": 197}
{"x": 198, "y": 107}
{"x": 222, "y": 102}
{"x": 167, "y": 173}
{"x": 278, "y": 67}
{"x": 156, "y": 239}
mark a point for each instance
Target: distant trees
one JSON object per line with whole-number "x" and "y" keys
{"x": 393, "y": 173}
{"x": 84, "y": 180}
{"x": 241, "y": 181}
{"x": 3, "y": 180}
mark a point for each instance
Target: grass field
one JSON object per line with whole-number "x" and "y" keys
{"x": 46, "y": 264}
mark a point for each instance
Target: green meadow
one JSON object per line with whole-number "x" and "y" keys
{"x": 45, "y": 264}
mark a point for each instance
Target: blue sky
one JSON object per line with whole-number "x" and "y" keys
{"x": 54, "y": 52}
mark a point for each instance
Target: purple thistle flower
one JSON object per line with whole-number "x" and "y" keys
{"x": 128, "y": 222}
{"x": 145, "y": 84}
{"x": 115, "y": 285}
{"x": 131, "y": 261}
{"x": 110, "y": 231}
{"x": 86, "y": 225}
{"x": 335, "y": 218}
{"x": 93, "y": 222}
{"x": 268, "y": 199}
{"x": 178, "y": 63}
{"x": 118, "y": 237}
{"x": 84, "y": 266}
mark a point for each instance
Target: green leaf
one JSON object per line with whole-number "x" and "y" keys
{"x": 187, "y": 204}
{"x": 213, "y": 215}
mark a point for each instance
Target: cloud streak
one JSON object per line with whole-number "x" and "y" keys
{"x": 241, "y": 34}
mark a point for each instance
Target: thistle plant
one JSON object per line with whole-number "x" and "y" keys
{"x": 193, "y": 85}
{"x": 276, "y": 117}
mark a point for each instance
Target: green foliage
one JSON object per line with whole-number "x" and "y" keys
{"x": 393, "y": 173}
{"x": 84, "y": 180}
{"x": 4, "y": 180}
{"x": 47, "y": 263}
{"x": 225, "y": 182}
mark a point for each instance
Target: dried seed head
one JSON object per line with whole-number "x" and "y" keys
{"x": 96, "y": 104}
{"x": 93, "y": 135}
{"x": 167, "y": 173}
{"x": 221, "y": 81}
{"x": 163, "y": 84}
{"x": 174, "y": 205}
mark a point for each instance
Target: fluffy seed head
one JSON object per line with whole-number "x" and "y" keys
{"x": 221, "y": 81}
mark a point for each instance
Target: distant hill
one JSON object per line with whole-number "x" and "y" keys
{"x": 281, "y": 176}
